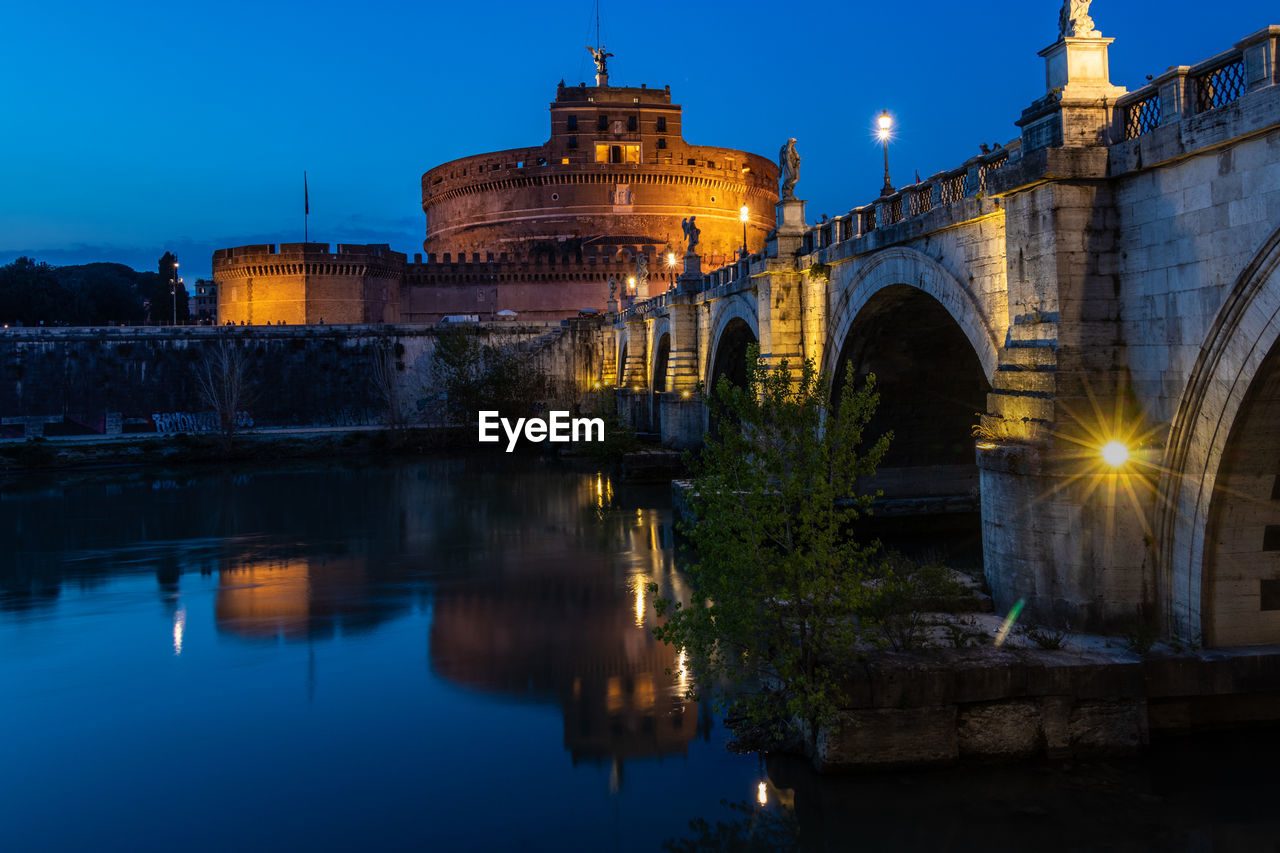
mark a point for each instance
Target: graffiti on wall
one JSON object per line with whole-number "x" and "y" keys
{"x": 196, "y": 422}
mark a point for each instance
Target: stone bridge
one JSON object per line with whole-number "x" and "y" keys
{"x": 1112, "y": 275}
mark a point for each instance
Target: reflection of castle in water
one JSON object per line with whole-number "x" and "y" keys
{"x": 298, "y": 597}
{"x": 574, "y": 626}
{"x": 539, "y": 582}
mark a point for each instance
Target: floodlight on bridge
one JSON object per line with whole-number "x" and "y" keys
{"x": 1115, "y": 453}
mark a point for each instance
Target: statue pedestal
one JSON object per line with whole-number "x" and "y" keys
{"x": 790, "y": 216}
{"x": 613, "y": 306}
{"x": 1079, "y": 68}
{"x": 791, "y": 226}
{"x": 690, "y": 280}
{"x": 1076, "y": 109}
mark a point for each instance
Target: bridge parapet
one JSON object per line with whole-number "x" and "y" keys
{"x": 1185, "y": 91}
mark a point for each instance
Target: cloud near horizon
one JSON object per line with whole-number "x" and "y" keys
{"x": 404, "y": 234}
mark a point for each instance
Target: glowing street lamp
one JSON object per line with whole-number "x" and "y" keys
{"x": 744, "y": 214}
{"x": 1115, "y": 453}
{"x": 174, "y": 281}
{"x": 631, "y": 284}
{"x": 884, "y": 128}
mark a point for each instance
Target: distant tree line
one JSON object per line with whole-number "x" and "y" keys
{"x": 34, "y": 292}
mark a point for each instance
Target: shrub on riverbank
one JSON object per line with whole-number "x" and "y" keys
{"x": 781, "y": 588}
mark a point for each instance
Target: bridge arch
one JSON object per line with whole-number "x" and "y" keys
{"x": 933, "y": 361}
{"x": 1219, "y": 484}
{"x": 903, "y": 266}
{"x": 734, "y": 325}
{"x": 659, "y": 354}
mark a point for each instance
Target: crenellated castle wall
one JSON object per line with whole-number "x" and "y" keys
{"x": 305, "y": 283}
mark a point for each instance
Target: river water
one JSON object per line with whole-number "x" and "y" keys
{"x": 451, "y": 654}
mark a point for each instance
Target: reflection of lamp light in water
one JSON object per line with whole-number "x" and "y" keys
{"x": 639, "y": 602}
{"x": 762, "y": 794}
{"x": 179, "y": 628}
{"x": 682, "y": 669}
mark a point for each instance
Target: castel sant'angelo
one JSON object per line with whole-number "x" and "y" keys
{"x": 539, "y": 231}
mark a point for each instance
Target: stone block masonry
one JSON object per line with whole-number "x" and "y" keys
{"x": 941, "y": 706}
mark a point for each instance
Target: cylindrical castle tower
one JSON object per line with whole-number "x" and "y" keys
{"x": 616, "y": 171}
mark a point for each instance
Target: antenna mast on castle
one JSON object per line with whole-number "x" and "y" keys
{"x": 599, "y": 55}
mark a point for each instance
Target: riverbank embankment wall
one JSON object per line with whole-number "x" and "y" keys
{"x": 297, "y": 375}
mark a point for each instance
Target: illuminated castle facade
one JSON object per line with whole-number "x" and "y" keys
{"x": 537, "y": 231}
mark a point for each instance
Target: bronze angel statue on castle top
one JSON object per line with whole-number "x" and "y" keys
{"x": 601, "y": 59}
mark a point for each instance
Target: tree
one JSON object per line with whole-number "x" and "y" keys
{"x": 30, "y": 293}
{"x": 499, "y": 376}
{"x": 162, "y": 294}
{"x": 779, "y": 582}
{"x": 457, "y": 368}
{"x": 223, "y": 380}
{"x": 100, "y": 293}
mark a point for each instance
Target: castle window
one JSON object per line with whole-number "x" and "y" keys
{"x": 602, "y": 122}
{"x": 573, "y": 142}
{"x": 631, "y": 123}
{"x": 606, "y": 153}
{"x": 573, "y": 122}
{"x": 662, "y": 143}
{"x": 662, "y": 124}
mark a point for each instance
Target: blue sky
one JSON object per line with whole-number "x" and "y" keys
{"x": 134, "y": 127}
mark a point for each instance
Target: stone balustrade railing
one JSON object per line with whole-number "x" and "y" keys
{"x": 940, "y": 190}
{"x": 1189, "y": 90}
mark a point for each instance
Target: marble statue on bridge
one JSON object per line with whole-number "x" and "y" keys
{"x": 789, "y": 164}
{"x": 691, "y": 233}
{"x": 1074, "y": 20}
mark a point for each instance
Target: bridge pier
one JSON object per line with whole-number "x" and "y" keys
{"x": 1074, "y": 545}
{"x": 683, "y": 419}
{"x": 682, "y": 367}
{"x": 635, "y": 371}
{"x": 635, "y": 409}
